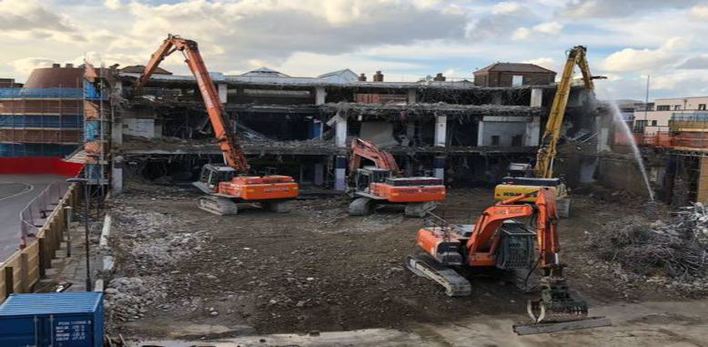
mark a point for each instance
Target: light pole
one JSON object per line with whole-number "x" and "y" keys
{"x": 84, "y": 182}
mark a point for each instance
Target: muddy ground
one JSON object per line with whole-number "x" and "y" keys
{"x": 317, "y": 269}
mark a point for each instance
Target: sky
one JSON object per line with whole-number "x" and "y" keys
{"x": 406, "y": 39}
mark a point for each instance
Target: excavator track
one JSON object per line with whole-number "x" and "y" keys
{"x": 426, "y": 266}
{"x": 217, "y": 205}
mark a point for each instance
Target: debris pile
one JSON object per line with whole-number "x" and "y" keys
{"x": 677, "y": 249}
{"x": 127, "y": 298}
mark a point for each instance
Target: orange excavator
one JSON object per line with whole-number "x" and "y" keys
{"x": 498, "y": 240}
{"x": 225, "y": 186}
{"x": 381, "y": 183}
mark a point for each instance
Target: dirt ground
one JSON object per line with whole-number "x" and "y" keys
{"x": 317, "y": 269}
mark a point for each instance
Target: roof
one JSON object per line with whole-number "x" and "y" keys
{"x": 344, "y": 75}
{"x": 514, "y": 67}
{"x": 264, "y": 72}
{"x": 50, "y": 303}
{"x": 141, "y": 68}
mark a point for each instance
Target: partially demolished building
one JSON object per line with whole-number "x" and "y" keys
{"x": 464, "y": 133}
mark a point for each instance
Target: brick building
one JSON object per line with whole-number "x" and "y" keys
{"x": 513, "y": 75}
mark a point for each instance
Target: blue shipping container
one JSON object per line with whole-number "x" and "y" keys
{"x": 52, "y": 319}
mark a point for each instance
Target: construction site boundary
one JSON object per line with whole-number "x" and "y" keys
{"x": 24, "y": 268}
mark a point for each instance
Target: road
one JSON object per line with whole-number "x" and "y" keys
{"x": 16, "y": 191}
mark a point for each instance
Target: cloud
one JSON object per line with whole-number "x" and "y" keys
{"x": 29, "y": 15}
{"x": 274, "y": 30}
{"x": 699, "y": 12}
{"x": 499, "y": 21}
{"x": 614, "y": 8}
{"x": 546, "y": 28}
{"x": 548, "y": 63}
{"x": 697, "y": 62}
{"x": 25, "y": 65}
{"x": 630, "y": 59}
{"x": 113, "y": 4}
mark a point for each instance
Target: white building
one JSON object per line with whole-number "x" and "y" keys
{"x": 653, "y": 120}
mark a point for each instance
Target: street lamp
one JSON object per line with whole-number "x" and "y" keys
{"x": 84, "y": 182}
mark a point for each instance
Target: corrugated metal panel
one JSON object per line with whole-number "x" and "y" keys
{"x": 56, "y": 319}
{"x": 51, "y": 303}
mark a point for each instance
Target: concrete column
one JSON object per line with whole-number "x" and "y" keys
{"x": 320, "y": 95}
{"x": 412, "y": 99}
{"x": 319, "y": 174}
{"x": 533, "y": 132}
{"x": 223, "y": 92}
{"x": 480, "y": 133}
{"x": 117, "y": 132}
{"x": 439, "y": 167}
{"x": 340, "y": 173}
{"x": 340, "y": 135}
{"x": 440, "y": 131}
{"x": 536, "y": 97}
{"x": 117, "y": 175}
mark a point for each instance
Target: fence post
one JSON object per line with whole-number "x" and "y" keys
{"x": 24, "y": 272}
{"x": 69, "y": 211}
{"x": 9, "y": 281}
{"x": 42, "y": 257}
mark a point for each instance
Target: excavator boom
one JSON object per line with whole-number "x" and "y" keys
{"x": 228, "y": 143}
{"x": 547, "y": 152}
{"x": 367, "y": 150}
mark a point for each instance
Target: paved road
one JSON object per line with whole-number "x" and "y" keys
{"x": 16, "y": 191}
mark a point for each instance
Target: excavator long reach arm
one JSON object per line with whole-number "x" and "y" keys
{"x": 228, "y": 143}
{"x": 549, "y": 141}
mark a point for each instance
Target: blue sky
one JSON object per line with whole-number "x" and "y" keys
{"x": 407, "y": 40}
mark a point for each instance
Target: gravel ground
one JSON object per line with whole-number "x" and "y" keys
{"x": 314, "y": 268}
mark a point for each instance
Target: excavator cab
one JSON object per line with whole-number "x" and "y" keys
{"x": 364, "y": 177}
{"x": 211, "y": 175}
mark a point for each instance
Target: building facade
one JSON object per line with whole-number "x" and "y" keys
{"x": 513, "y": 75}
{"x": 45, "y": 116}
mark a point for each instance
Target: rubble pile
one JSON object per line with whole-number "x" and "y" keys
{"x": 127, "y": 298}
{"x": 677, "y": 249}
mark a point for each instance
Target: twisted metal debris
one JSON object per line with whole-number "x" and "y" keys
{"x": 677, "y": 249}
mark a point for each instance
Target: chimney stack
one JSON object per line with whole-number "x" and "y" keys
{"x": 439, "y": 77}
{"x": 55, "y": 65}
{"x": 69, "y": 65}
{"x": 362, "y": 77}
{"x": 378, "y": 76}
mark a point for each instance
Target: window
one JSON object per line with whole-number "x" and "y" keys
{"x": 663, "y": 108}
{"x": 495, "y": 140}
{"x": 516, "y": 141}
{"x": 677, "y": 107}
{"x": 653, "y": 123}
{"x": 517, "y": 80}
{"x": 639, "y": 125}
{"x": 701, "y": 107}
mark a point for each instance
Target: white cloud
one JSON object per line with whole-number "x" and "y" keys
{"x": 548, "y": 28}
{"x": 699, "y": 12}
{"x": 548, "y": 63}
{"x": 113, "y": 4}
{"x": 506, "y": 7}
{"x": 521, "y": 34}
{"x": 25, "y": 65}
{"x": 630, "y": 59}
